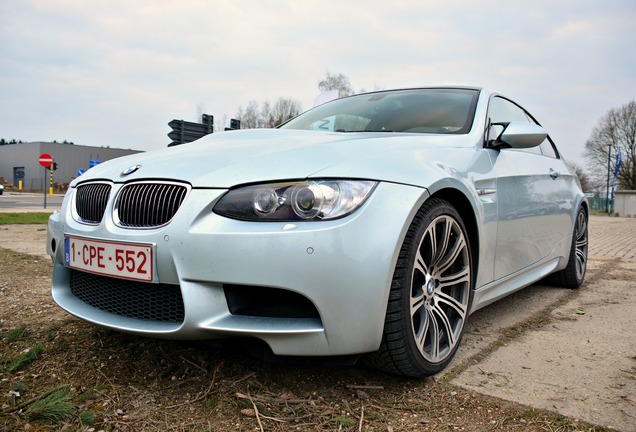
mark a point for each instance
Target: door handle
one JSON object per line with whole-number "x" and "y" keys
{"x": 554, "y": 174}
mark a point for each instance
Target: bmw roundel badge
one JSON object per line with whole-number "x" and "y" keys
{"x": 129, "y": 170}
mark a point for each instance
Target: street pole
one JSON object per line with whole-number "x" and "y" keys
{"x": 609, "y": 157}
{"x": 44, "y": 186}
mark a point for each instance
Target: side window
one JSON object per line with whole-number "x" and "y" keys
{"x": 547, "y": 149}
{"x": 502, "y": 110}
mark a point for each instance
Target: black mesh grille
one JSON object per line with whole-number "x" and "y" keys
{"x": 91, "y": 200}
{"x": 145, "y": 301}
{"x": 147, "y": 205}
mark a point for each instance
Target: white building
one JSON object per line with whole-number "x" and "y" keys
{"x": 20, "y": 162}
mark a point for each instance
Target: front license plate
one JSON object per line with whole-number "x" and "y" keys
{"x": 123, "y": 260}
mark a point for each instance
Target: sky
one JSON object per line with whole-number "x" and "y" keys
{"x": 114, "y": 73}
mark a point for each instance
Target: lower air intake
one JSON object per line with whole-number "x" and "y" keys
{"x": 130, "y": 299}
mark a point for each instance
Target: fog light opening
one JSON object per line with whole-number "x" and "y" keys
{"x": 269, "y": 302}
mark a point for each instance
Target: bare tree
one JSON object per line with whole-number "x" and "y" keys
{"x": 586, "y": 185}
{"x": 268, "y": 115}
{"x": 616, "y": 130}
{"x": 220, "y": 123}
{"x": 200, "y": 110}
{"x": 283, "y": 110}
{"x": 265, "y": 114}
{"x": 250, "y": 117}
{"x": 338, "y": 82}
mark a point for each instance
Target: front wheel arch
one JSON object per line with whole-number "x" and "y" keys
{"x": 463, "y": 206}
{"x": 430, "y": 295}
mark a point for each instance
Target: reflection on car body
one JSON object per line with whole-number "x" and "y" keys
{"x": 371, "y": 225}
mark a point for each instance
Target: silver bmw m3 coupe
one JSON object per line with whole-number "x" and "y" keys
{"x": 371, "y": 225}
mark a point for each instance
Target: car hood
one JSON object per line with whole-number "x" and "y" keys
{"x": 227, "y": 159}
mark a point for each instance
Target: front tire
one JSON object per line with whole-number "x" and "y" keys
{"x": 430, "y": 295}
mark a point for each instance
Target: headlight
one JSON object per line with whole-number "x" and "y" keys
{"x": 293, "y": 201}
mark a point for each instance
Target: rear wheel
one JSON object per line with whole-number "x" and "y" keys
{"x": 573, "y": 275}
{"x": 430, "y": 295}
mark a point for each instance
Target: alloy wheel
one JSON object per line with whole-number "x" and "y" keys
{"x": 440, "y": 289}
{"x": 581, "y": 245}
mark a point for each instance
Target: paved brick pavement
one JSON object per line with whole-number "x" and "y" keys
{"x": 612, "y": 238}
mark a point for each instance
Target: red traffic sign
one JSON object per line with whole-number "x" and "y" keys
{"x": 45, "y": 160}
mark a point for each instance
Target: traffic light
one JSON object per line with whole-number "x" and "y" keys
{"x": 52, "y": 167}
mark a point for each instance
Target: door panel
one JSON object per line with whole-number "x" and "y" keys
{"x": 532, "y": 208}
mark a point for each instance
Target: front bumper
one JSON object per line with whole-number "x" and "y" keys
{"x": 343, "y": 267}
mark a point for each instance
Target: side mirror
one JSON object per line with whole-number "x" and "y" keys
{"x": 520, "y": 134}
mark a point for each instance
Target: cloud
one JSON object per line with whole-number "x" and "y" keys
{"x": 574, "y": 29}
{"x": 114, "y": 73}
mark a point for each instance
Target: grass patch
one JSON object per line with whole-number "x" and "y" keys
{"x": 599, "y": 213}
{"x": 19, "y": 387}
{"x": 513, "y": 332}
{"x": 345, "y": 421}
{"x": 87, "y": 417}
{"x": 16, "y": 333}
{"x": 24, "y": 218}
{"x": 26, "y": 358}
{"x": 552, "y": 422}
{"x": 540, "y": 320}
{"x": 55, "y": 407}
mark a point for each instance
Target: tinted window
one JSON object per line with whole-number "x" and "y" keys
{"x": 439, "y": 111}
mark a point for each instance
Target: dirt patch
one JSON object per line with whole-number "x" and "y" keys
{"x": 538, "y": 352}
{"x": 125, "y": 383}
{"x": 30, "y": 239}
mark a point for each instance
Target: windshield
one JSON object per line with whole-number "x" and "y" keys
{"x": 435, "y": 111}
